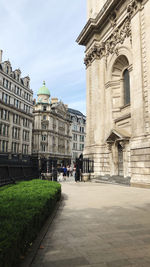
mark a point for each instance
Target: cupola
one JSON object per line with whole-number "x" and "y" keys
{"x": 43, "y": 94}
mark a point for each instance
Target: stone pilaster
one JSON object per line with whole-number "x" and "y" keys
{"x": 137, "y": 111}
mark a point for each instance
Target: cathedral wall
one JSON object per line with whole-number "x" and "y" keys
{"x": 140, "y": 143}
{"x": 124, "y": 43}
{"x": 93, "y": 7}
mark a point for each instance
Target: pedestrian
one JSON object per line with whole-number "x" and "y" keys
{"x": 77, "y": 174}
{"x": 71, "y": 170}
{"x": 74, "y": 171}
{"x": 64, "y": 173}
{"x": 68, "y": 170}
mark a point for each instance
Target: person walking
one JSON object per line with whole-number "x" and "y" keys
{"x": 64, "y": 173}
{"x": 77, "y": 174}
{"x": 68, "y": 170}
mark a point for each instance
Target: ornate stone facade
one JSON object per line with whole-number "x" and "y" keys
{"x": 78, "y": 132}
{"x": 117, "y": 41}
{"x": 51, "y": 130}
{"x": 16, "y": 108}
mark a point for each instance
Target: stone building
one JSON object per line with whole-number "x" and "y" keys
{"x": 16, "y": 106}
{"x": 117, "y": 59}
{"x": 78, "y": 132}
{"x": 51, "y": 130}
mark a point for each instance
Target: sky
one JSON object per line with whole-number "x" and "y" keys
{"x": 39, "y": 38}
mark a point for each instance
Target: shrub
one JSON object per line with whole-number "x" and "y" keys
{"x": 23, "y": 209}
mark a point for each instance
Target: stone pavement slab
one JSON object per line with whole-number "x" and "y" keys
{"x": 98, "y": 225}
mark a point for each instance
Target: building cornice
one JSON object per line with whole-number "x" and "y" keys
{"x": 94, "y": 25}
{"x": 12, "y": 109}
{"x": 50, "y": 112}
{"x": 106, "y": 14}
{"x": 120, "y": 29}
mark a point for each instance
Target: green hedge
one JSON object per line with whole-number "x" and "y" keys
{"x": 23, "y": 209}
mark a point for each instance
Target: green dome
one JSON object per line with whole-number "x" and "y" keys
{"x": 43, "y": 90}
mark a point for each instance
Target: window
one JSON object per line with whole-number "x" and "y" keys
{"x": 6, "y": 85}
{"x": 81, "y": 138}
{"x": 3, "y": 146}
{"x": 25, "y": 149}
{"x": 43, "y": 148}
{"x": 43, "y": 137}
{"x": 16, "y": 118}
{"x": 75, "y": 137}
{"x": 81, "y": 129}
{"x": 4, "y": 129}
{"x": 75, "y": 146}
{"x": 25, "y": 135}
{"x": 6, "y": 98}
{"x": 15, "y": 147}
{"x": 44, "y": 127}
{"x": 81, "y": 147}
{"x": 44, "y": 108}
{"x": 26, "y": 122}
{"x": 75, "y": 127}
{"x": 15, "y": 133}
{"x": 126, "y": 86}
{"x": 4, "y": 114}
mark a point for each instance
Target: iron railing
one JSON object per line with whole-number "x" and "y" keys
{"x": 17, "y": 169}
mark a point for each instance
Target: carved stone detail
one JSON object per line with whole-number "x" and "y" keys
{"x": 120, "y": 33}
{"x": 118, "y": 37}
{"x": 96, "y": 52}
{"x": 113, "y": 19}
{"x": 110, "y": 46}
{"x": 109, "y": 146}
{"x": 133, "y": 7}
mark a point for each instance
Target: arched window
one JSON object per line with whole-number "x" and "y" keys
{"x": 126, "y": 86}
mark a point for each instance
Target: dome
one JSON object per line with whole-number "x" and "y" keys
{"x": 43, "y": 90}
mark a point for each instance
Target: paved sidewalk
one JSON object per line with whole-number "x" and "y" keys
{"x": 98, "y": 225}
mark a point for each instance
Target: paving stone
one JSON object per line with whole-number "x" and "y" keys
{"x": 98, "y": 226}
{"x": 119, "y": 263}
{"x": 72, "y": 262}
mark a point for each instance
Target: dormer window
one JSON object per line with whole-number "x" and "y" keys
{"x": 18, "y": 77}
{"x": 7, "y": 69}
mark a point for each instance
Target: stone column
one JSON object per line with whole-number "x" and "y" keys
{"x": 88, "y": 106}
{"x": 136, "y": 79}
{"x": 98, "y": 101}
{"x": 145, "y": 24}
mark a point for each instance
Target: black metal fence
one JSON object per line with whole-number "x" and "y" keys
{"x": 86, "y": 165}
{"x": 47, "y": 165}
{"x": 16, "y": 169}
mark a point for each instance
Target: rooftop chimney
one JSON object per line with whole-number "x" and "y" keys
{"x": 54, "y": 100}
